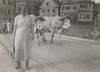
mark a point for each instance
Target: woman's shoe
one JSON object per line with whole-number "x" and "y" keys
{"x": 18, "y": 65}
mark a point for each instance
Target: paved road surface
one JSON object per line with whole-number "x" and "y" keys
{"x": 6, "y": 63}
{"x": 63, "y": 56}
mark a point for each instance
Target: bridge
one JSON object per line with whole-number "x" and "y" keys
{"x": 65, "y": 55}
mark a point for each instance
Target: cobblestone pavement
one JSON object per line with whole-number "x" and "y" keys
{"x": 61, "y": 56}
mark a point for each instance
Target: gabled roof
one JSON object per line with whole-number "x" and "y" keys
{"x": 53, "y": 4}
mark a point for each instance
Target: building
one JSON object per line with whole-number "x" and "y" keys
{"x": 85, "y": 12}
{"x": 49, "y": 8}
{"x": 82, "y": 8}
{"x": 7, "y": 10}
{"x": 18, "y": 3}
{"x": 33, "y": 6}
{"x": 68, "y": 7}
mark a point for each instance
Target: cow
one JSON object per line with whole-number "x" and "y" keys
{"x": 53, "y": 24}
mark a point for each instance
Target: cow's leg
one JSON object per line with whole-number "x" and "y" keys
{"x": 37, "y": 39}
{"x": 43, "y": 37}
{"x": 59, "y": 34}
{"x": 37, "y": 36}
{"x": 52, "y": 36}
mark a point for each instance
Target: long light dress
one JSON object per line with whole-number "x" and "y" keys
{"x": 23, "y": 39}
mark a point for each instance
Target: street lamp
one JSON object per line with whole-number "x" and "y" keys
{"x": 94, "y": 16}
{"x": 60, "y": 1}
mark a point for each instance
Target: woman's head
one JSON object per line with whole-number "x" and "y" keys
{"x": 23, "y": 9}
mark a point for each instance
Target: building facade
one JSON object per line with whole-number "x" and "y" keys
{"x": 18, "y": 3}
{"x": 85, "y": 12}
{"x": 82, "y": 8}
{"x": 33, "y": 6}
{"x": 7, "y": 10}
{"x": 68, "y": 7}
{"x": 49, "y": 8}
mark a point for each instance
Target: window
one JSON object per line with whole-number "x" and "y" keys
{"x": 13, "y": 3}
{"x": 43, "y": 11}
{"x": 74, "y": 7}
{"x": 63, "y": 7}
{"x": 4, "y": 1}
{"x": 13, "y": 12}
{"x": 1, "y": 11}
{"x": 68, "y": 7}
{"x": 9, "y": 20}
{"x": 48, "y": 10}
{"x": 82, "y": 16}
{"x": 9, "y": 11}
{"x": 87, "y": 16}
{"x": 48, "y": 3}
{"x": 9, "y": 3}
{"x": 83, "y": 5}
{"x": 4, "y": 11}
{"x": 89, "y": 5}
{"x": 53, "y": 10}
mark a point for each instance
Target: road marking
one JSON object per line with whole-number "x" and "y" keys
{"x": 11, "y": 56}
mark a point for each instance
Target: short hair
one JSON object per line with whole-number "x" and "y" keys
{"x": 22, "y": 5}
{"x": 19, "y": 9}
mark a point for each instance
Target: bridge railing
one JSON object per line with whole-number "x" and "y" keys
{"x": 81, "y": 31}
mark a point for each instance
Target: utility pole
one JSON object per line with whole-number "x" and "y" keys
{"x": 94, "y": 10}
{"x": 94, "y": 18}
{"x": 59, "y": 7}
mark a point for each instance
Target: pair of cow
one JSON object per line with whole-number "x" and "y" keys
{"x": 54, "y": 24}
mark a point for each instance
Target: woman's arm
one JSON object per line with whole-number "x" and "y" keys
{"x": 14, "y": 31}
{"x": 15, "y": 28}
{"x": 32, "y": 29}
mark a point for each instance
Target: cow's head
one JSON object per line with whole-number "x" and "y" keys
{"x": 39, "y": 19}
{"x": 65, "y": 21}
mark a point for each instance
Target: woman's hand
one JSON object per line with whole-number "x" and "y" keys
{"x": 32, "y": 37}
{"x": 13, "y": 38}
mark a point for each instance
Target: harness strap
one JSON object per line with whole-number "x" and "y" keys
{"x": 51, "y": 21}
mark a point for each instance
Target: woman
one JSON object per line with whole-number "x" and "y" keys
{"x": 22, "y": 36}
